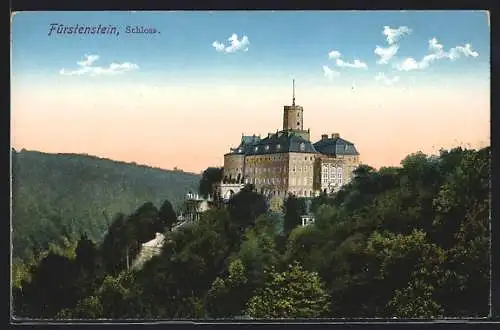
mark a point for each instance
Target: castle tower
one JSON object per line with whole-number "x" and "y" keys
{"x": 293, "y": 115}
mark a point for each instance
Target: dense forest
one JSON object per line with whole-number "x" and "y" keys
{"x": 57, "y": 197}
{"x": 408, "y": 241}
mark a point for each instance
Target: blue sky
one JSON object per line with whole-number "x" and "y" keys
{"x": 281, "y": 44}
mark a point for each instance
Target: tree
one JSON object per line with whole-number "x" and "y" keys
{"x": 113, "y": 248}
{"x": 411, "y": 267}
{"x": 461, "y": 226}
{"x": 226, "y": 297}
{"x": 173, "y": 283}
{"x": 210, "y": 176}
{"x": 88, "y": 308}
{"x": 258, "y": 254}
{"x": 167, "y": 215}
{"x": 52, "y": 287}
{"x": 244, "y": 207}
{"x": 294, "y": 293}
{"x": 86, "y": 255}
{"x": 293, "y": 208}
{"x": 303, "y": 246}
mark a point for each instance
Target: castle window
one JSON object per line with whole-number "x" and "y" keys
{"x": 240, "y": 150}
{"x": 267, "y": 148}
{"x": 302, "y": 146}
{"x": 256, "y": 149}
{"x": 278, "y": 147}
{"x": 298, "y": 123}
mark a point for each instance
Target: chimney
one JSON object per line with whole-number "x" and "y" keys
{"x": 335, "y": 135}
{"x": 324, "y": 136}
{"x": 269, "y": 135}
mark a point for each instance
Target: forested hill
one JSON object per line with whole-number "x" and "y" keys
{"x": 55, "y": 195}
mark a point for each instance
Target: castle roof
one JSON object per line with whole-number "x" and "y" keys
{"x": 335, "y": 146}
{"x": 279, "y": 142}
{"x": 246, "y": 145}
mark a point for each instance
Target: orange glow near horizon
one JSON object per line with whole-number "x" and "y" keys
{"x": 191, "y": 128}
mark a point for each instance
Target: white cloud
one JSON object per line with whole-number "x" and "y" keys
{"x": 89, "y": 59}
{"x": 87, "y": 68}
{"x": 334, "y": 54}
{"x": 357, "y": 64}
{"x": 381, "y": 77}
{"x": 218, "y": 46}
{"x": 329, "y": 73}
{"x": 466, "y": 50}
{"x": 394, "y": 35}
{"x": 436, "y": 52}
{"x": 386, "y": 53}
{"x": 435, "y": 46}
{"x": 234, "y": 46}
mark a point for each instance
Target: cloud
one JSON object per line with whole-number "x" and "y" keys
{"x": 409, "y": 64}
{"x": 357, "y": 64}
{"x": 85, "y": 67}
{"x": 466, "y": 50}
{"x": 334, "y": 54}
{"x": 381, "y": 77}
{"x": 394, "y": 35}
{"x": 218, "y": 46}
{"x": 436, "y": 52}
{"x": 329, "y": 73}
{"x": 234, "y": 46}
{"x": 89, "y": 59}
{"x": 386, "y": 53}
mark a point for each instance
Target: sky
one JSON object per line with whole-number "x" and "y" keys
{"x": 391, "y": 82}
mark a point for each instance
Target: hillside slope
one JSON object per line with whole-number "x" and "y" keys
{"x": 59, "y": 194}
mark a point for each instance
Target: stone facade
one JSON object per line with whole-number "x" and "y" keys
{"x": 234, "y": 166}
{"x": 227, "y": 190}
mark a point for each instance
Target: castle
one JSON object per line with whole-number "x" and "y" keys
{"x": 287, "y": 162}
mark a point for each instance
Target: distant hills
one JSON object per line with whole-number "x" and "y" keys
{"x": 58, "y": 195}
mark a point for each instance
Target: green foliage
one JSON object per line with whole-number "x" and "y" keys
{"x": 167, "y": 215}
{"x": 295, "y": 293}
{"x": 411, "y": 241}
{"x": 226, "y": 297}
{"x": 293, "y": 208}
{"x": 89, "y": 308}
{"x": 244, "y": 207}
{"x": 65, "y": 195}
{"x": 210, "y": 176}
